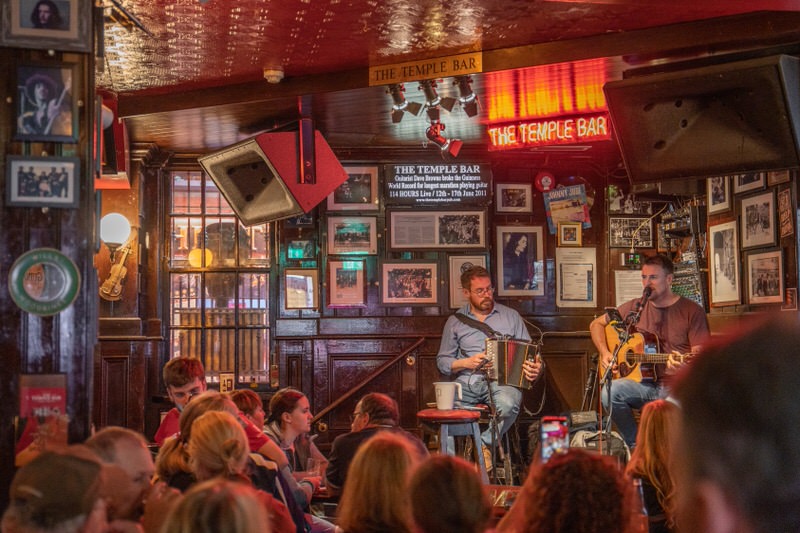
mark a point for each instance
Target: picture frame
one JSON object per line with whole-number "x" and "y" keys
{"x": 514, "y": 198}
{"x": 765, "y": 277}
{"x": 622, "y": 203}
{"x": 301, "y": 288}
{"x": 458, "y": 264}
{"x": 358, "y": 193}
{"x": 41, "y": 87}
{"x": 352, "y": 235}
{"x": 724, "y": 283}
{"x": 42, "y": 181}
{"x": 409, "y": 282}
{"x": 749, "y": 181}
{"x": 758, "y": 221}
{"x": 630, "y": 232}
{"x": 300, "y": 249}
{"x": 718, "y": 194}
{"x": 437, "y": 230}
{"x": 70, "y": 30}
{"x": 306, "y": 220}
{"x": 785, "y": 213}
{"x": 520, "y": 263}
{"x": 774, "y": 177}
{"x": 570, "y": 234}
{"x": 347, "y": 283}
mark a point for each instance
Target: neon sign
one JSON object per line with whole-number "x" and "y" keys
{"x": 548, "y": 132}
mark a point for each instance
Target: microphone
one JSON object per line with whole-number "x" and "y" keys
{"x": 645, "y": 296}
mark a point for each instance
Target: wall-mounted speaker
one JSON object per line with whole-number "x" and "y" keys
{"x": 261, "y": 177}
{"x": 726, "y": 118}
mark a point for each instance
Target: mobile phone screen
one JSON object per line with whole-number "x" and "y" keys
{"x": 554, "y": 436}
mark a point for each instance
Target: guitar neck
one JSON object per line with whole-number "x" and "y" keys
{"x": 653, "y": 357}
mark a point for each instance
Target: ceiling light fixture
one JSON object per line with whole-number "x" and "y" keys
{"x": 467, "y": 98}
{"x": 433, "y": 100}
{"x": 400, "y": 104}
{"x": 449, "y": 147}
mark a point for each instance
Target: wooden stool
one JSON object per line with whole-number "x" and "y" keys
{"x": 454, "y": 423}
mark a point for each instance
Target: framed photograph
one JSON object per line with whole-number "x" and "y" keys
{"x": 46, "y": 109}
{"x": 42, "y": 181}
{"x": 758, "y": 220}
{"x": 458, "y": 264}
{"x": 412, "y": 230}
{"x": 723, "y": 243}
{"x": 346, "y": 283}
{"x": 514, "y": 198}
{"x": 301, "y": 249}
{"x": 751, "y": 181}
{"x": 409, "y": 283}
{"x": 719, "y": 194}
{"x": 630, "y": 232}
{"x": 306, "y": 220}
{"x": 764, "y": 277}
{"x": 626, "y": 204}
{"x": 785, "y": 213}
{"x": 358, "y": 193}
{"x": 775, "y": 177}
{"x": 520, "y": 260}
{"x": 352, "y": 235}
{"x": 301, "y": 288}
{"x": 63, "y": 25}
{"x": 570, "y": 234}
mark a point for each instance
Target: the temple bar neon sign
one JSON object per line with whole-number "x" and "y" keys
{"x": 547, "y": 132}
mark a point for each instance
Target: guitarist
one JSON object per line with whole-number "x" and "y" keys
{"x": 680, "y": 325}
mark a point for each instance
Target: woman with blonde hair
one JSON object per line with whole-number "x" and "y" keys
{"x": 650, "y": 462}
{"x": 375, "y": 497}
{"x": 218, "y": 506}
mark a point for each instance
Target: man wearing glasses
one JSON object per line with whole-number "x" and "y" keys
{"x": 462, "y": 352}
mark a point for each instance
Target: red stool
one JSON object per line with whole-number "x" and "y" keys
{"x": 454, "y": 423}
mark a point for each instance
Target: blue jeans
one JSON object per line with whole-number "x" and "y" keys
{"x": 506, "y": 400}
{"x": 627, "y": 394}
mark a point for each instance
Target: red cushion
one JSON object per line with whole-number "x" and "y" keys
{"x": 444, "y": 416}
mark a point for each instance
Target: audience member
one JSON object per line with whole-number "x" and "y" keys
{"x": 376, "y": 498}
{"x": 249, "y": 403}
{"x": 219, "y": 506}
{"x": 184, "y": 378}
{"x": 651, "y": 461}
{"x": 575, "y": 492}
{"x": 465, "y": 507}
{"x": 738, "y": 438}
{"x": 375, "y": 412}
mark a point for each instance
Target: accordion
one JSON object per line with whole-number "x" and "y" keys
{"x": 507, "y": 357}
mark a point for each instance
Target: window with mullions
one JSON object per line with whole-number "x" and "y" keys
{"x": 219, "y": 283}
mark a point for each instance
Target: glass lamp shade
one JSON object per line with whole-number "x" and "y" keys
{"x": 114, "y": 230}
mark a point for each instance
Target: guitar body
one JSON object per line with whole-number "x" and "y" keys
{"x": 632, "y": 355}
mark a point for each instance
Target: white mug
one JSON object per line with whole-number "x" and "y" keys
{"x": 446, "y": 392}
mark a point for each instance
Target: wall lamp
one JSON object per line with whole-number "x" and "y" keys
{"x": 115, "y": 230}
{"x": 433, "y": 101}
{"x": 449, "y": 147}
{"x": 467, "y": 98}
{"x": 401, "y": 105}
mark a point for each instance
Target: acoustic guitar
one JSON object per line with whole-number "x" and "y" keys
{"x": 638, "y": 356}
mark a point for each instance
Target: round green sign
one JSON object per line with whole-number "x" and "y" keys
{"x": 43, "y": 281}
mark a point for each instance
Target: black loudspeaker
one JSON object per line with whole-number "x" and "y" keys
{"x": 727, "y": 118}
{"x": 261, "y": 179}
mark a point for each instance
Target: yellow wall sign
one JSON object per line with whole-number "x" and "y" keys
{"x": 441, "y": 67}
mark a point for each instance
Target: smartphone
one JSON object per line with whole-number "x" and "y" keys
{"x": 553, "y": 436}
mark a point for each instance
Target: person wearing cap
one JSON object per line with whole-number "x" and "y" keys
{"x": 184, "y": 378}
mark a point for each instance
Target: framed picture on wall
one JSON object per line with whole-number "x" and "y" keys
{"x": 764, "y": 277}
{"x": 352, "y": 235}
{"x": 42, "y": 181}
{"x": 570, "y": 233}
{"x": 301, "y": 288}
{"x": 301, "y": 249}
{"x": 346, "y": 283}
{"x": 414, "y": 230}
{"x": 46, "y": 106}
{"x": 63, "y": 25}
{"x": 409, "y": 283}
{"x": 750, "y": 181}
{"x": 514, "y": 198}
{"x": 758, "y": 220}
{"x": 719, "y": 194}
{"x": 520, "y": 260}
{"x": 723, "y": 243}
{"x": 358, "y": 193}
{"x": 458, "y": 264}
{"x": 630, "y": 232}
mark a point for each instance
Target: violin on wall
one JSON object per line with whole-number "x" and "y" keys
{"x": 111, "y": 289}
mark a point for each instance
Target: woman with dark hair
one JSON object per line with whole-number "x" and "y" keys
{"x": 46, "y": 15}
{"x": 517, "y": 272}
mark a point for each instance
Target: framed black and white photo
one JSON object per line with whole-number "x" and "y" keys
{"x": 46, "y": 107}
{"x": 409, "y": 283}
{"x": 358, "y": 193}
{"x": 750, "y": 181}
{"x": 352, "y": 235}
{"x": 514, "y": 198}
{"x": 301, "y": 249}
{"x": 413, "y": 230}
{"x": 723, "y": 243}
{"x": 458, "y": 264}
{"x": 42, "y": 181}
{"x": 520, "y": 260}
{"x": 626, "y": 204}
{"x": 719, "y": 194}
{"x": 764, "y": 277}
{"x": 630, "y": 232}
{"x": 346, "y": 283}
{"x": 63, "y": 25}
{"x": 301, "y": 288}
{"x": 570, "y": 234}
{"x": 758, "y": 220}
